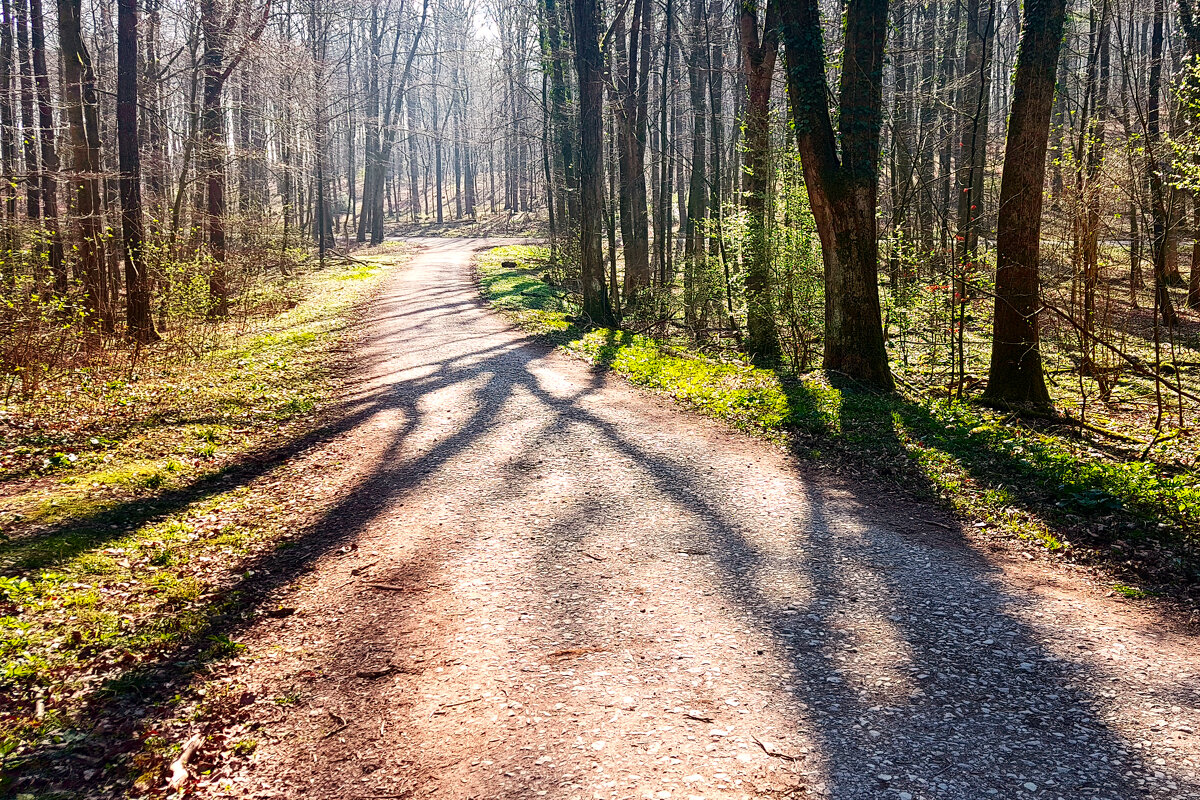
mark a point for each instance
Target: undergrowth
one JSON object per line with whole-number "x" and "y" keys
{"x": 1037, "y": 482}
{"x": 119, "y": 528}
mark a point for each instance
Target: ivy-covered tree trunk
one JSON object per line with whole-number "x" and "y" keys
{"x": 843, "y": 188}
{"x": 759, "y": 54}
{"x": 590, "y": 65}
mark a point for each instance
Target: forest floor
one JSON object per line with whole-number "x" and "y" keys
{"x": 502, "y": 572}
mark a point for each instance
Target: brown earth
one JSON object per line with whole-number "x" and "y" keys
{"x": 523, "y": 578}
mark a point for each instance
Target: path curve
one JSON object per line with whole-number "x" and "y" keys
{"x": 549, "y": 584}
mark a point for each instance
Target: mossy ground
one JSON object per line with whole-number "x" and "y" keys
{"x": 1039, "y": 482}
{"x": 121, "y": 522}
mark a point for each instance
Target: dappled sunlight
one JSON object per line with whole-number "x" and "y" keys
{"x": 564, "y": 590}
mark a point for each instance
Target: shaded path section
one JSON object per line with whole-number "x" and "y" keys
{"x": 552, "y": 585}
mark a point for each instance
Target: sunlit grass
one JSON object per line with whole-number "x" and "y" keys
{"x": 1010, "y": 477}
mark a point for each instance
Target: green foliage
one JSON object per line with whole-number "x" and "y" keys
{"x": 1186, "y": 141}
{"x": 111, "y": 558}
{"x": 794, "y": 258}
{"x": 1131, "y": 592}
{"x": 1012, "y": 477}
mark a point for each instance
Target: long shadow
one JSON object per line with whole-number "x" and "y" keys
{"x": 109, "y": 725}
{"x": 987, "y": 706}
{"x": 1082, "y": 506}
{"x": 984, "y": 701}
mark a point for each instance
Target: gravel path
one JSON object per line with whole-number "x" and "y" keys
{"x": 540, "y": 582}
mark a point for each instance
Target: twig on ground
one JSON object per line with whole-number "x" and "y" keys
{"x": 933, "y": 522}
{"x": 442, "y": 708}
{"x": 179, "y": 770}
{"x": 772, "y": 750}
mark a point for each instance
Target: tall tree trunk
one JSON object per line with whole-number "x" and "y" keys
{"x": 371, "y": 128}
{"x": 50, "y": 166}
{"x": 29, "y": 142}
{"x": 589, "y": 65}
{"x": 759, "y": 53}
{"x": 1090, "y": 173}
{"x": 414, "y": 189}
{"x": 843, "y": 191}
{"x": 84, "y": 149}
{"x": 927, "y": 115}
{"x": 695, "y": 294}
{"x": 665, "y": 222}
{"x": 633, "y": 85}
{"x": 8, "y": 147}
{"x": 1161, "y": 204}
{"x": 973, "y": 136}
{"x": 212, "y": 137}
{"x": 138, "y": 319}
{"x": 212, "y": 154}
{"x": 1015, "y": 375}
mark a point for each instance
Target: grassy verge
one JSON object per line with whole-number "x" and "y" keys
{"x": 1047, "y": 485}
{"x": 119, "y": 538}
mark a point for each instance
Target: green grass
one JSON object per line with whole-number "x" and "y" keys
{"x": 113, "y": 557}
{"x": 1041, "y": 486}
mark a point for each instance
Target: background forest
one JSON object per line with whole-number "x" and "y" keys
{"x": 249, "y": 133}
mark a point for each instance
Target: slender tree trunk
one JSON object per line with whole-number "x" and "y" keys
{"x": 50, "y": 165}
{"x": 212, "y": 135}
{"x": 29, "y": 142}
{"x": 632, "y": 82}
{"x": 1160, "y": 194}
{"x": 695, "y": 293}
{"x": 138, "y": 318}
{"x": 759, "y": 54}
{"x": 414, "y": 189}
{"x": 1090, "y": 173}
{"x": 1015, "y": 375}
{"x": 973, "y": 136}
{"x": 666, "y": 161}
{"x": 84, "y": 149}
{"x": 8, "y": 147}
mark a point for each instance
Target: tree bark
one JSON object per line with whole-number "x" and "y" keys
{"x": 1015, "y": 376}
{"x": 84, "y": 149}
{"x": 50, "y": 165}
{"x": 29, "y": 144}
{"x": 633, "y": 84}
{"x": 8, "y": 147}
{"x": 1161, "y": 203}
{"x": 843, "y": 191}
{"x": 138, "y": 319}
{"x": 759, "y": 53}
{"x": 590, "y": 66}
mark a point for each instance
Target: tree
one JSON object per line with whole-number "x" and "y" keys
{"x": 843, "y": 187}
{"x": 49, "y": 155}
{"x": 1161, "y": 201}
{"x": 138, "y": 320}
{"x": 1015, "y": 375}
{"x": 759, "y": 53}
{"x": 83, "y": 138}
{"x": 632, "y": 84}
{"x": 218, "y": 26}
{"x": 589, "y": 64}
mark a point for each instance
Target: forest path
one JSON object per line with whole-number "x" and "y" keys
{"x": 554, "y": 585}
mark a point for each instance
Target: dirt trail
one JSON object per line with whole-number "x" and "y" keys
{"x": 539, "y": 582}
